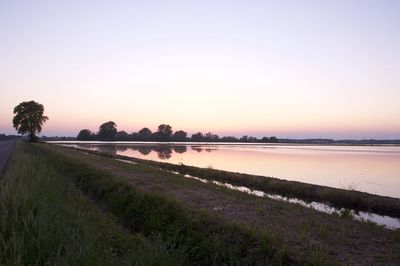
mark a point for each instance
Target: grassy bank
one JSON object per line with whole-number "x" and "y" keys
{"x": 311, "y": 237}
{"x": 203, "y": 238}
{"x": 62, "y": 206}
{"x": 339, "y": 198}
{"x": 45, "y": 219}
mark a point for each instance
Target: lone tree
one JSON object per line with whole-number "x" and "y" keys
{"x": 29, "y": 118}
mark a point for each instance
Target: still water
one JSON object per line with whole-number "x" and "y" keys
{"x": 372, "y": 169}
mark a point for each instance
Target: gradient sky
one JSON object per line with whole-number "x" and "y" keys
{"x": 284, "y": 68}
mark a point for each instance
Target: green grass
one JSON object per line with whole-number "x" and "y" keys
{"x": 45, "y": 219}
{"x": 59, "y": 210}
{"x": 397, "y": 235}
{"x": 55, "y": 210}
{"x": 206, "y": 239}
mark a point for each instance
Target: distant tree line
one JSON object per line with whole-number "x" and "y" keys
{"x": 323, "y": 141}
{"x": 8, "y": 137}
{"x": 108, "y": 132}
{"x": 57, "y": 138}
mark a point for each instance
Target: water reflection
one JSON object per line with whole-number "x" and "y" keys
{"x": 164, "y": 152}
{"x": 372, "y": 169}
{"x": 386, "y": 221}
{"x": 144, "y": 150}
{"x": 179, "y": 149}
{"x": 198, "y": 149}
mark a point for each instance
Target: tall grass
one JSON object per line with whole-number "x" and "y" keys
{"x": 202, "y": 237}
{"x": 45, "y": 219}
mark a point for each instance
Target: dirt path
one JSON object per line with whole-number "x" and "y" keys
{"x": 6, "y": 148}
{"x": 305, "y": 231}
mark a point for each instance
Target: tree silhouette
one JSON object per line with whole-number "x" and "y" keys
{"x": 197, "y": 137}
{"x": 229, "y": 139}
{"x": 252, "y": 139}
{"x": 122, "y": 136}
{"x": 107, "y": 131}
{"x": 85, "y": 134}
{"x": 211, "y": 137}
{"x": 245, "y": 138}
{"x": 144, "y": 134}
{"x": 273, "y": 139}
{"x": 29, "y": 118}
{"x": 164, "y": 132}
{"x": 179, "y": 135}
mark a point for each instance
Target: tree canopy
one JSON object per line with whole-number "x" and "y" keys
{"x": 145, "y": 133}
{"x": 107, "y": 131}
{"x": 164, "y": 131}
{"x": 29, "y": 119}
{"x": 85, "y": 134}
{"x": 179, "y": 135}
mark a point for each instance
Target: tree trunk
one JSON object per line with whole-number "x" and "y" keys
{"x": 32, "y": 137}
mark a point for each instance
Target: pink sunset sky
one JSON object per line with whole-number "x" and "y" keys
{"x": 298, "y": 69}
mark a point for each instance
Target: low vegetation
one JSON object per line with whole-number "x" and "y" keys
{"x": 60, "y": 206}
{"x": 339, "y": 198}
{"x": 309, "y": 236}
{"x": 47, "y": 220}
{"x": 201, "y": 237}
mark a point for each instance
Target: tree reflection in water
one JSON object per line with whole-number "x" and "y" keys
{"x": 198, "y": 149}
{"x": 111, "y": 148}
{"x": 179, "y": 149}
{"x": 164, "y": 152}
{"x": 144, "y": 150}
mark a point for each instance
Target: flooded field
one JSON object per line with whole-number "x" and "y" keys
{"x": 372, "y": 169}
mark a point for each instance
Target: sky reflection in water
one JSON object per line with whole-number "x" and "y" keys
{"x": 372, "y": 169}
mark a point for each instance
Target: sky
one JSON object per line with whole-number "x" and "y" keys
{"x": 298, "y": 69}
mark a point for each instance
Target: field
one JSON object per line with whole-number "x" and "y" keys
{"x": 61, "y": 206}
